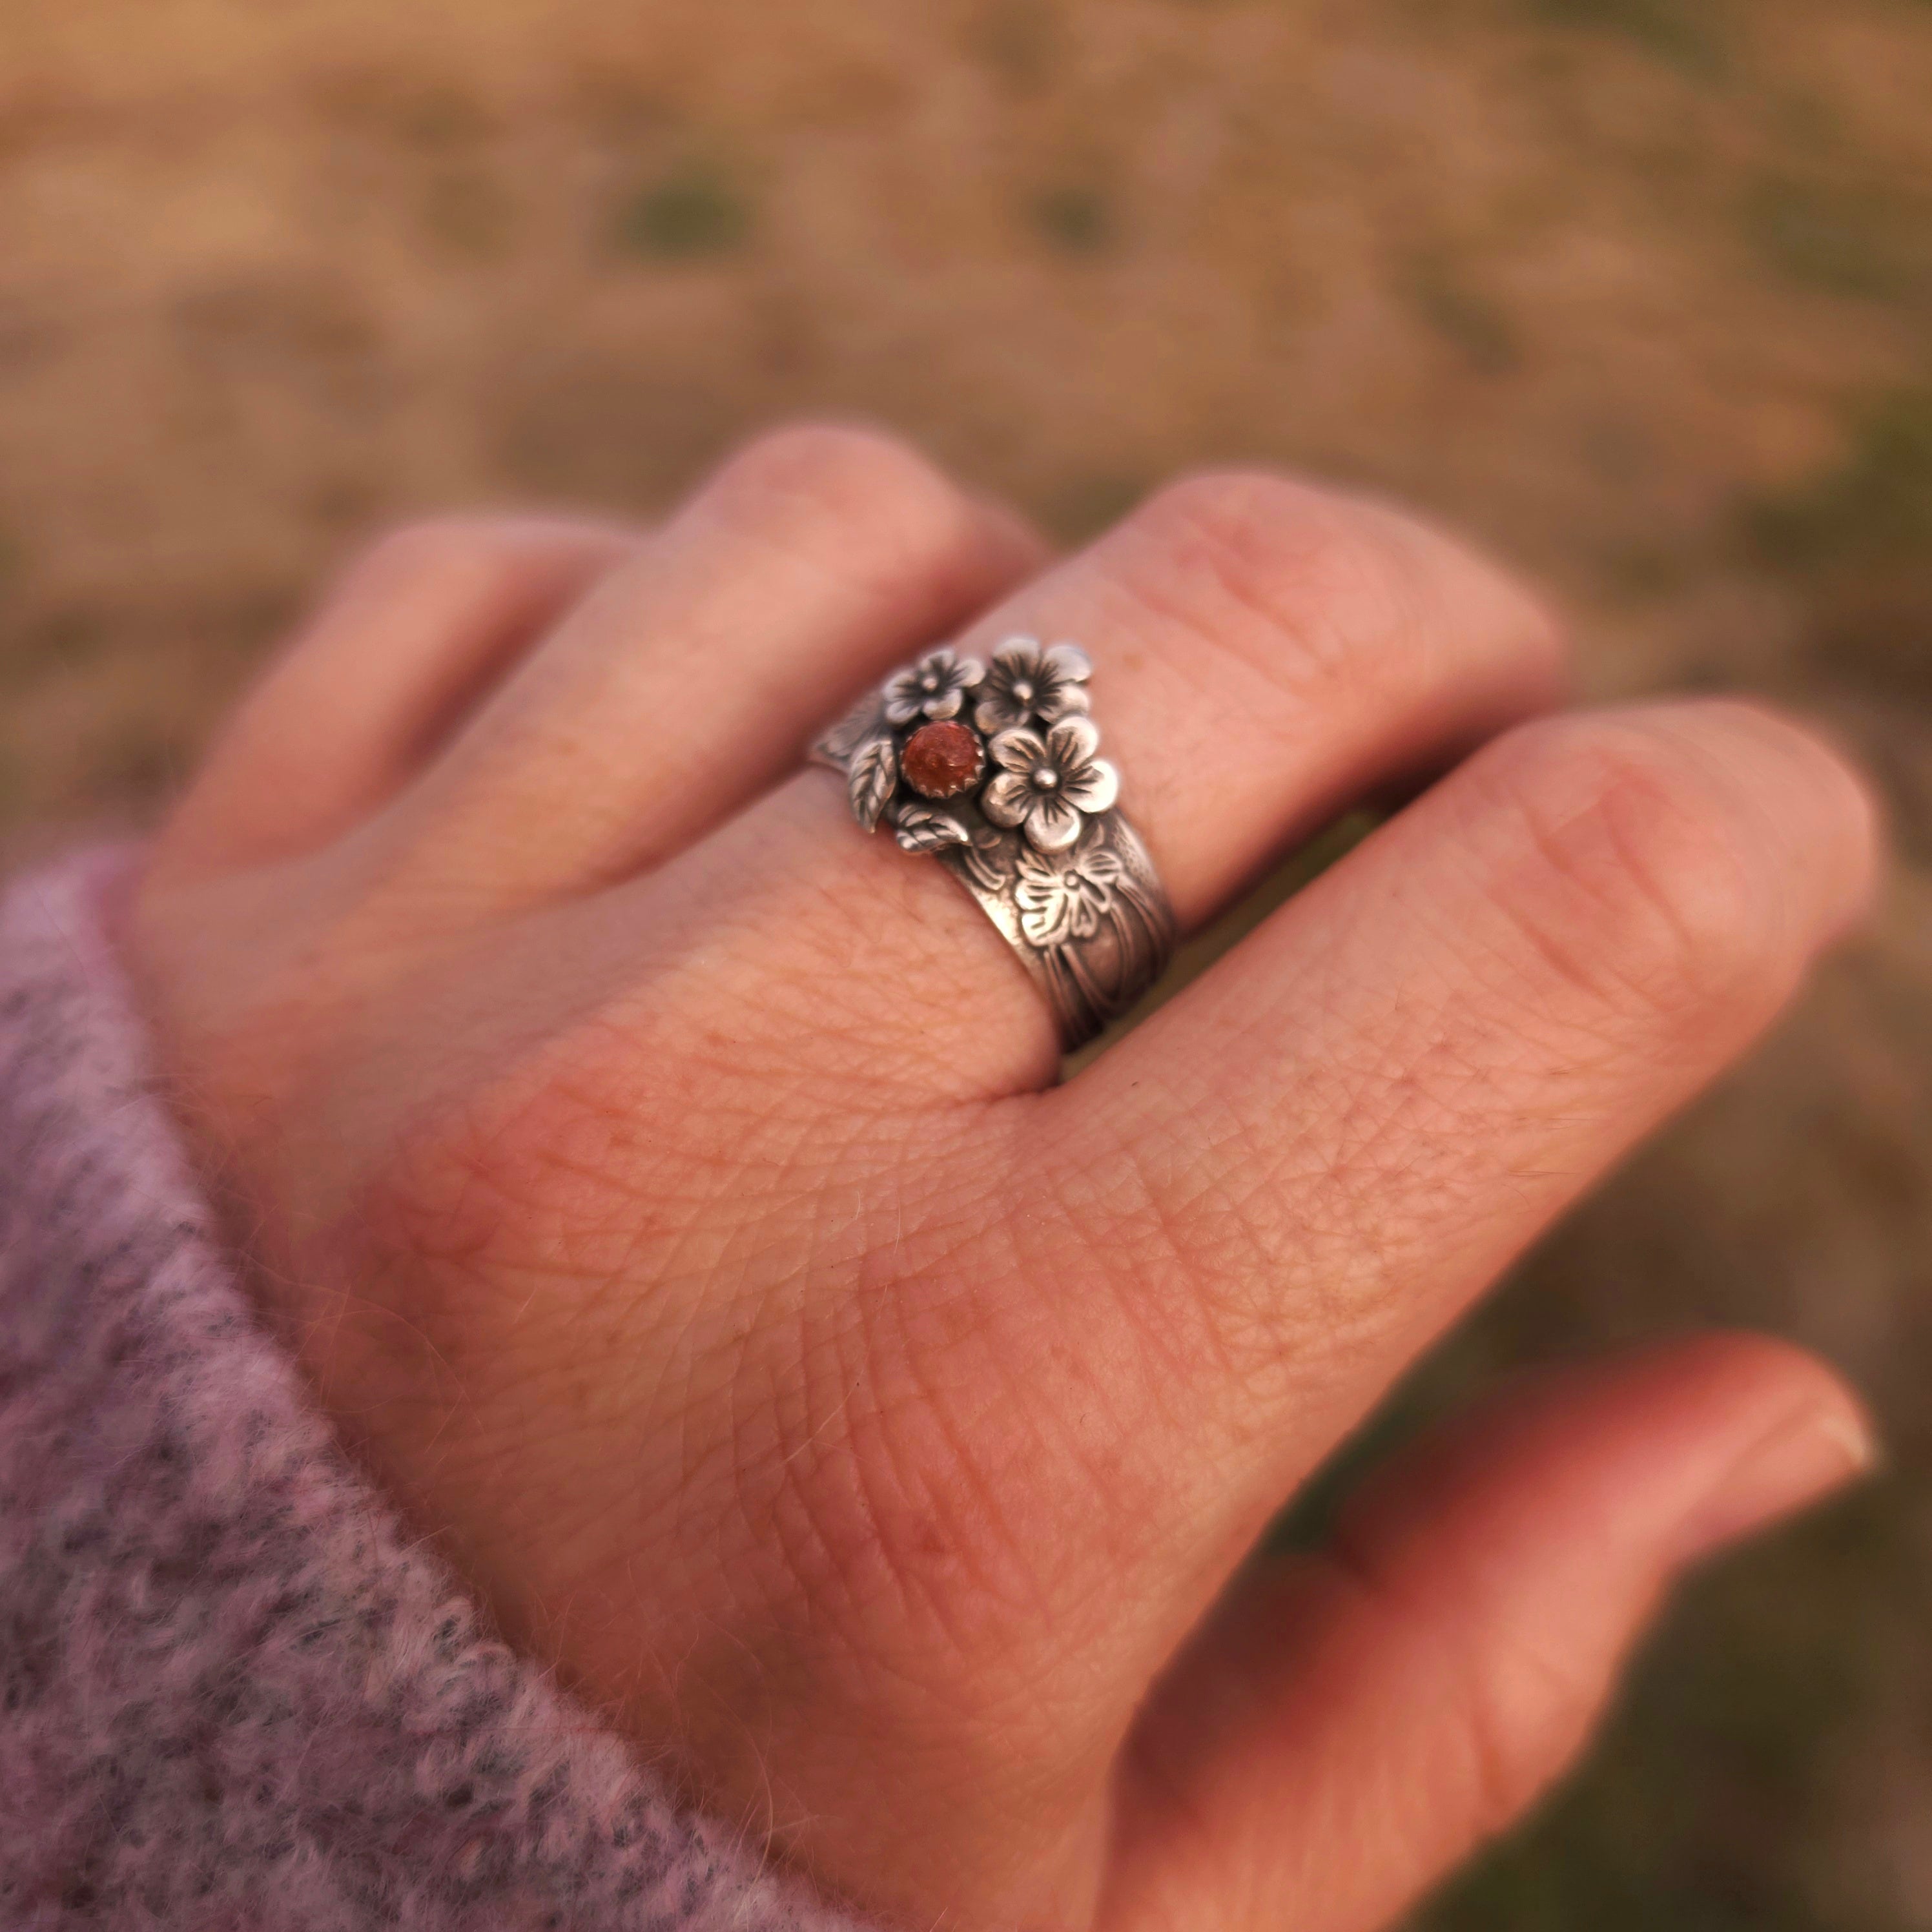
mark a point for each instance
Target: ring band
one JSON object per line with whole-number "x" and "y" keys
{"x": 994, "y": 770}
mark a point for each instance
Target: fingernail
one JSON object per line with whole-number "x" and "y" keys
{"x": 1801, "y": 1461}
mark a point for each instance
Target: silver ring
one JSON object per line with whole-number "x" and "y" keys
{"x": 994, "y": 768}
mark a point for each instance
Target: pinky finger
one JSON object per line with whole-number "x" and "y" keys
{"x": 402, "y": 644}
{"x": 1351, "y": 1726}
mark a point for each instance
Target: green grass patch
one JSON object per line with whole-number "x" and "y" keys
{"x": 1696, "y": 1812}
{"x": 694, "y": 213}
{"x": 1875, "y": 507}
{"x": 1085, "y": 505}
{"x": 62, "y": 641}
{"x": 1075, "y": 221}
{"x": 1842, "y": 240}
{"x": 132, "y": 760}
{"x": 1686, "y": 33}
{"x": 1646, "y": 572}
{"x": 1462, "y": 316}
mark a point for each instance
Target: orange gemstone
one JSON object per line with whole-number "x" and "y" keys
{"x": 940, "y": 760}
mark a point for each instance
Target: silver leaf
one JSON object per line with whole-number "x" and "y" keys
{"x": 920, "y": 830}
{"x": 861, "y": 722}
{"x": 870, "y": 779}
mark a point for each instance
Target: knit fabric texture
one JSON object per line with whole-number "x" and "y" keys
{"x": 234, "y": 1693}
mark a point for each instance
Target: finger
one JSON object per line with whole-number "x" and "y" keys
{"x": 813, "y": 560}
{"x": 1294, "y": 1174}
{"x": 1263, "y": 653}
{"x": 411, "y": 635}
{"x": 1351, "y": 1726}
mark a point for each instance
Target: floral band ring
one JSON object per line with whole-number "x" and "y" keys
{"x": 994, "y": 770}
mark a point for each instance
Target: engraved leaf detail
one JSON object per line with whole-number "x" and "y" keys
{"x": 988, "y": 862}
{"x": 1061, "y": 901}
{"x": 870, "y": 779}
{"x": 920, "y": 830}
{"x": 852, "y": 730}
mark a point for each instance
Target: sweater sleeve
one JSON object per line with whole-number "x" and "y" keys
{"x": 234, "y": 1693}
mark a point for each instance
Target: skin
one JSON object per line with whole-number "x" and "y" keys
{"x": 669, "y": 1191}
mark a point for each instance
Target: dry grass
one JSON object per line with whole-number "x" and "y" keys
{"x": 1638, "y": 290}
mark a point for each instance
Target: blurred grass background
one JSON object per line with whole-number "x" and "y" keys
{"x": 1638, "y": 291}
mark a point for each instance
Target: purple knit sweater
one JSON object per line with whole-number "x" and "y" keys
{"x": 233, "y": 1693}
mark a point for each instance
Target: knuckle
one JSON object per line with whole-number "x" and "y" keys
{"x": 1240, "y": 505}
{"x": 1638, "y": 870}
{"x": 465, "y": 553}
{"x": 432, "y": 547}
{"x": 1524, "y": 1715}
{"x": 846, "y": 485}
{"x": 1516, "y": 1707}
{"x": 1301, "y": 582}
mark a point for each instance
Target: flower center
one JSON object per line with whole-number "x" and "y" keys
{"x": 1023, "y": 690}
{"x": 1046, "y": 777}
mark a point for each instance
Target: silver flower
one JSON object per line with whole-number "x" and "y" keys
{"x": 1048, "y": 785}
{"x": 1026, "y": 683}
{"x": 935, "y": 687}
{"x": 1065, "y": 898}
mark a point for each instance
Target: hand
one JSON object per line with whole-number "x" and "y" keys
{"x": 667, "y": 1187}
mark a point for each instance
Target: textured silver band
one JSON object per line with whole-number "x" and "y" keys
{"x": 994, "y": 770}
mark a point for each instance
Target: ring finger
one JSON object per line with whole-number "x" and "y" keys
{"x": 1263, "y": 653}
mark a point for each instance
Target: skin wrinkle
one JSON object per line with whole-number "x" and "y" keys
{"x": 947, "y": 533}
{"x": 1508, "y": 1768}
{"x": 891, "y": 1309}
{"x": 877, "y": 535}
{"x": 919, "y": 1393}
{"x": 1391, "y": 1121}
{"x": 741, "y": 1455}
{"x": 358, "y": 1687}
{"x": 903, "y": 1461}
{"x": 1357, "y": 671}
{"x": 1673, "y": 863}
{"x": 534, "y": 566}
{"x": 1271, "y": 554}
{"x": 439, "y": 547}
{"x": 1171, "y": 1221}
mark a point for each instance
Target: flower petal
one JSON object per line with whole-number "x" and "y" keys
{"x": 968, "y": 672}
{"x": 945, "y": 704}
{"x": 1059, "y": 700}
{"x": 1017, "y": 751}
{"x": 1071, "y": 742}
{"x": 1084, "y": 912}
{"x": 1069, "y": 661}
{"x": 1006, "y": 800}
{"x": 903, "y": 710}
{"x": 1046, "y": 918}
{"x": 1052, "y": 824}
{"x": 1001, "y": 713}
{"x": 1017, "y": 657}
{"x": 1093, "y": 787}
{"x": 1100, "y": 865}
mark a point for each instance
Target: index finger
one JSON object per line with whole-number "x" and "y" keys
{"x": 1297, "y": 1172}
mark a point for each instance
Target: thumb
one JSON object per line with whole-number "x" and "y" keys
{"x": 1351, "y": 1726}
